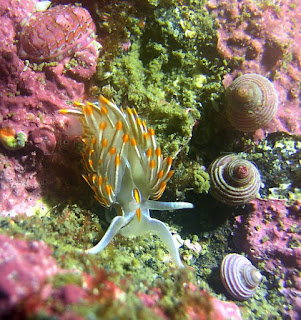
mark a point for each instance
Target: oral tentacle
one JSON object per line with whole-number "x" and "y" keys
{"x": 116, "y": 224}
{"x": 161, "y": 230}
{"x": 159, "y": 205}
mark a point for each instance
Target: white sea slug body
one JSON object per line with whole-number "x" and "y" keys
{"x": 125, "y": 170}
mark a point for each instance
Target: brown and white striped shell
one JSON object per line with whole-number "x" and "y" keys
{"x": 234, "y": 181}
{"x": 252, "y": 102}
{"x": 239, "y": 276}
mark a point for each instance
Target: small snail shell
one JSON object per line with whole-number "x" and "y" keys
{"x": 234, "y": 181}
{"x": 239, "y": 276}
{"x": 252, "y": 102}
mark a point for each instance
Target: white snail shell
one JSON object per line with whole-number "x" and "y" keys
{"x": 239, "y": 276}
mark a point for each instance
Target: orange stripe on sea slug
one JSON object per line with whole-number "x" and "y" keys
{"x": 108, "y": 189}
{"x": 133, "y": 142}
{"x": 138, "y": 213}
{"x": 138, "y": 121}
{"x": 169, "y": 160}
{"x": 125, "y": 138}
{"x": 86, "y": 179}
{"x": 160, "y": 174}
{"x": 103, "y": 100}
{"x": 152, "y": 164}
{"x": 136, "y": 195}
{"x": 104, "y": 142}
{"x": 105, "y": 201}
{"x": 149, "y": 152}
{"x": 151, "y": 131}
{"x": 77, "y": 104}
{"x": 162, "y": 186}
{"x": 158, "y": 152}
{"x": 87, "y": 110}
{"x": 88, "y": 103}
{"x": 118, "y": 125}
{"x": 93, "y": 140}
{"x": 112, "y": 150}
{"x": 102, "y": 125}
{"x": 100, "y": 180}
{"x": 170, "y": 174}
{"x": 63, "y": 111}
{"x": 117, "y": 160}
{"x": 104, "y": 110}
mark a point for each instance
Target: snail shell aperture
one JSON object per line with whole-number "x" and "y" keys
{"x": 239, "y": 276}
{"x": 234, "y": 181}
{"x": 252, "y": 102}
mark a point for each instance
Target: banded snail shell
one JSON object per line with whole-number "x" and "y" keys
{"x": 240, "y": 278}
{"x": 252, "y": 102}
{"x": 234, "y": 181}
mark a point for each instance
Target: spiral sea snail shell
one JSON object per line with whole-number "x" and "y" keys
{"x": 239, "y": 276}
{"x": 234, "y": 181}
{"x": 252, "y": 102}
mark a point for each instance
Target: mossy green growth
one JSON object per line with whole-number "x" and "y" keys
{"x": 171, "y": 73}
{"x": 188, "y": 176}
{"x": 278, "y": 161}
{"x": 172, "y": 123}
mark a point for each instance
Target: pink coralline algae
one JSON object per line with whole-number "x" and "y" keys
{"x": 56, "y": 33}
{"x": 44, "y": 139}
{"x": 24, "y": 266}
{"x": 27, "y": 271}
{"x": 264, "y": 39}
{"x": 31, "y": 94}
{"x": 197, "y": 305}
{"x": 271, "y": 234}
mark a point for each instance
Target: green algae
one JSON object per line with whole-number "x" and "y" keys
{"x": 278, "y": 160}
{"x": 171, "y": 73}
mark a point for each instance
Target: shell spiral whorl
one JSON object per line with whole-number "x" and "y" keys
{"x": 234, "y": 181}
{"x": 239, "y": 276}
{"x": 252, "y": 102}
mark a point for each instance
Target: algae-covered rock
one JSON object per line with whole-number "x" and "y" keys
{"x": 165, "y": 65}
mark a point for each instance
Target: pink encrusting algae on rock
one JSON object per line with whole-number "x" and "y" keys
{"x": 29, "y": 289}
{"x": 24, "y": 266}
{"x": 270, "y": 234}
{"x": 30, "y": 95}
{"x": 196, "y": 304}
{"x": 265, "y": 39}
